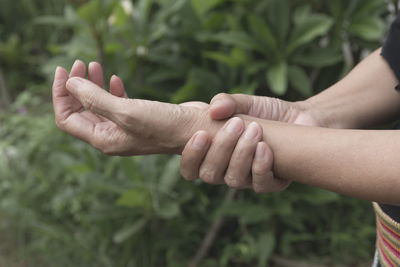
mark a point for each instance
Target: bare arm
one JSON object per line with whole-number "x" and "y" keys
{"x": 358, "y": 163}
{"x": 364, "y": 98}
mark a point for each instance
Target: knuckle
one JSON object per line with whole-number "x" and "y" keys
{"x": 232, "y": 182}
{"x": 60, "y": 123}
{"x": 208, "y": 176}
{"x": 259, "y": 170}
{"x": 224, "y": 144}
{"x": 186, "y": 174}
{"x": 90, "y": 100}
{"x": 246, "y": 148}
{"x": 260, "y": 189}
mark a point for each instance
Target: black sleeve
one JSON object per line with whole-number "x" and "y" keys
{"x": 391, "y": 48}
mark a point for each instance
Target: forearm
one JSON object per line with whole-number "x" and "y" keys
{"x": 357, "y": 163}
{"x": 364, "y": 98}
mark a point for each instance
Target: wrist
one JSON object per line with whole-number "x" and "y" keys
{"x": 193, "y": 120}
{"x": 319, "y": 113}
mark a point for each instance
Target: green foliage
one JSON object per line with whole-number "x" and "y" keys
{"x": 64, "y": 204}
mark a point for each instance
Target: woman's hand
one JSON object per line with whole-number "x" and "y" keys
{"x": 239, "y": 157}
{"x": 120, "y": 126}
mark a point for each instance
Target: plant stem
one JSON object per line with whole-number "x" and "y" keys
{"x": 5, "y": 99}
{"x": 99, "y": 45}
{"x": 209, "y": 238}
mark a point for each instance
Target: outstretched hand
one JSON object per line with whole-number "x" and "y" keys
{"x": 117, "y": 125}
{"x": 71, "y": 115}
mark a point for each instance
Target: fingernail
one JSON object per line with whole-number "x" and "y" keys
{"x": 234, "y": 126}
{"x": 251, "y": 131}
{"x": 75, "y": 62}
{"x": 200, "y": 141}
{"x": 74, "y": 83}
{"x": 261, "y": 150}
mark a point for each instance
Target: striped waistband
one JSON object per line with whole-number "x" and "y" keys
{"x": 387, "y": 238}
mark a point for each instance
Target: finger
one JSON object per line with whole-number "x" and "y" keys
{"x": 94, "y": 98}
{"x": 60, "y": 79}
{"x": 78, "y": 69}
{"x": 64, "y": 104}
{"x": 217, "y": 159}
{"x": 95, "y": 73}
{"x": 193, "y": 154}
{"x": 238, "y": 172}
{"x": 223, "y": 106}
{"x": 59, "y": 93}
{"x": 66, "y": 119}
{"x": 117, "y": 87}
{"x": 263, "y": 177}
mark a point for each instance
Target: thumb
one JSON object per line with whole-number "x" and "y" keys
{"x": 223, "y": 106}
{"x": 94, "y": 98}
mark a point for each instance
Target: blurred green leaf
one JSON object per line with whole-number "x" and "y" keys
{"x": 90, "y": 11}
{"x": 127, "y": 232}
{"x": 203, "y": 6}
{"x": 301, "y": 14}
{"x": 277, "y": 78}
{"x": 170, "y": 174}
{"x": 315, "y": 25}
{"x": 135, "y": 198}
{"x": 299, "y": 80}
{"x": 168, "y": 210}
{"x": 221, "y": 57}
{"x": 368, "y": 28}
{"x": 248, "y": 214}
{"x": 261, "y": 31}
{"x": 279, "y": 16}
{"x": 240, "y": 39}
{"x": 266, "y": 245}
{"x": 198, "y": 81}
{"x": 318, "y": 57}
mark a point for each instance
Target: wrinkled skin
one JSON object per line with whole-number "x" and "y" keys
{"x": 117, "y": 125}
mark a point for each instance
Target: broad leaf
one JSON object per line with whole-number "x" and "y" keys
{"x": 261, "y": 30}
{"x": 314, "y": 26}
{"x": 170, "y": 175}
{"x": 277, "y": 78}
{"x": 318, "y": 57}
{"x": 279, "y": 16}
{"x": 299, "y": 80}
{"x": 266, "y": 245}
{"x": 203, "y": 6}
{"x": 125, "y": 233}
{"x": 240, "y": 39}
{"x": 368, "y": 28}
{"x": 301, "y": 14}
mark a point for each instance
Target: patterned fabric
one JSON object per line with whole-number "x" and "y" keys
{"x": 387, "y": 238}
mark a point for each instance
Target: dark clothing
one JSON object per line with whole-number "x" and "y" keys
{"x": 391, "y": 48}
{"x": 391, "y": 53}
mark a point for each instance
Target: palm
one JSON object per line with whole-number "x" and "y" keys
{"x": 88, "y": 126}
{"x": 84, "y": 123}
